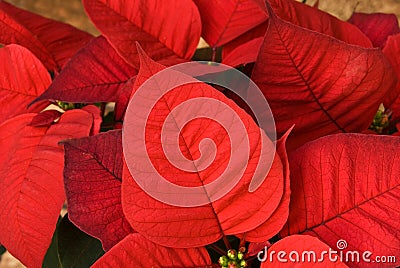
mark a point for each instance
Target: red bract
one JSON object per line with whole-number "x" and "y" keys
{"x": 165, "y": 35}
{"x": 226, "y": 20}
{"x": 323, "y": 86}
{"x": 94, "y": 188}
{"x": 23, "y": 77}
{"x": 227, "y": 215}
{"x": 45, "y": 118}
{"x": 377, "y": 26}
{"x": 51, "y": 41}
{"x": 391, "y": 51}
{"x": 300, "y": 244}
{"x": 31, "y": 164}
{"x": 94, "y": 74}
{"x": 137, "y": 251}
{"x": 346, "y": 186}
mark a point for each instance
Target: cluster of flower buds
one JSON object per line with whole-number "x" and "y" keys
{"x": 233, "y": 259}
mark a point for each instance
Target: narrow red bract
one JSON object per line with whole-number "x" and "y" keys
{"x": 45, "y": 118}
{"x": 51, "y": 41}
{"x": 223, "y": 21}
{"x": 94, "y": 188}
{"x": 31, "y": 164}
{"x": 164, "y": 34}
{"x": 346, "y": 186}
{"x": 137, "y": 251}
{"x": 391, "y": 51}
{"x": 324, "y": 86}
{"x": 23, "y": 78}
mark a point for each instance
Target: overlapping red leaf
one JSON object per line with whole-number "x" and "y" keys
{"x": 159, "y": 26}
{"x": 23, "y": 78}
{"x": 377, "y": 26}
{"x": 51, "y": 41}
{"x": 223, "y": 21}
{"x": 94, "y": 74}
{"x": 31, "y": 165}
{"x": 347, "y": 186}
{"x": 324, "y": 86}
{"x": 137, "y": 251}
{"x": 92, "y": 178}
{"x": 391, "y": 51}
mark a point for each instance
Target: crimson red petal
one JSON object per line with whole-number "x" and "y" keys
{"x": 92, "y": 178}
{"x": 53, "y": 42}
{"x": 137, "y": 251}
{"x": 346, "y": 186}
{"x": 23, "y": 78}
{"x": 377, "y": 26}
{"x": 324, "y": 86}
{"x": 31, "y": 164}
{"x": 165, "y": 35}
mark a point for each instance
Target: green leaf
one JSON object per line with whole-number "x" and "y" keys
{"x": 76, "y": 248}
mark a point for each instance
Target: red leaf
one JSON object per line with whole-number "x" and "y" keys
{"x": 137, "y": 251}
{"x": 51, "y": 41}
{"x": 319, "y": 21}
{"x": 227, "y": 215}
{"x": 97, "y": 119}
{"x": 377, "y": 26}
{"x": 94, "y": 74}
{"x": 323, "y": 86}
{"x": 165, "y": 34}
{"x": 347, "y": 186}
{"x": 300, "y": 244}
{"x": 123, "y": 98}
{"x": 31, "y": 164}
{"x": 223, "y": 21}
{"x": 23, "y": 77}
{"x": 45, "y": 118}
{"x": 92, "y": 178}
{"x": 391, "y": 51}
{"x": 277, "y": 220}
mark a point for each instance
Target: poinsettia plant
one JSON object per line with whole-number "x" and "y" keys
{"x": 333, "y": 186}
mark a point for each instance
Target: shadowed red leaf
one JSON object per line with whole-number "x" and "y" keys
{"x": 137, "y": 251}
{"x": 45, "y": 118}
{"x": 94, "y": 74}
{"x": 92, "y": 178}
{"x": 51, "y": 41}
{"x": 347, "y": 186}
{"x": 392, "y": 51}
{"x": 167, "y": 36}
{"x": 31, "y": 165}
{"x": 300, "y": 244}
{"x": 223, "y": 21}
{"x": 227, "y": 215}
{"x": 377, "y": 26}
{"x": 324, "y": 86}
{"x": 23, "y": 77}
{"x": 97, "y": 119}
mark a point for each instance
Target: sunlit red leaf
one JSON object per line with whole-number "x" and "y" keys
{"x": 166, "y": 35}
{"x": 223, "y": 21}
{"x": 31, "y": 165}
{"x": 300, "y": 244}
{"x": 377, "y": 26}
{"x": 137, "y": 251}
{"x": 347, "y": 186}
{"x": 92, "y": 178}
{"x": 392, "y": 51}
{"x": 323, "y": 86}
{"x": 227, "y": 215}
{"x": 23, "y": 77}
{"x": 94, "y": 74}
{"x": 51, "y": 41}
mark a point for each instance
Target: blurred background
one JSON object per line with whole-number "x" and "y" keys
{"x": 72, "y": 12}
